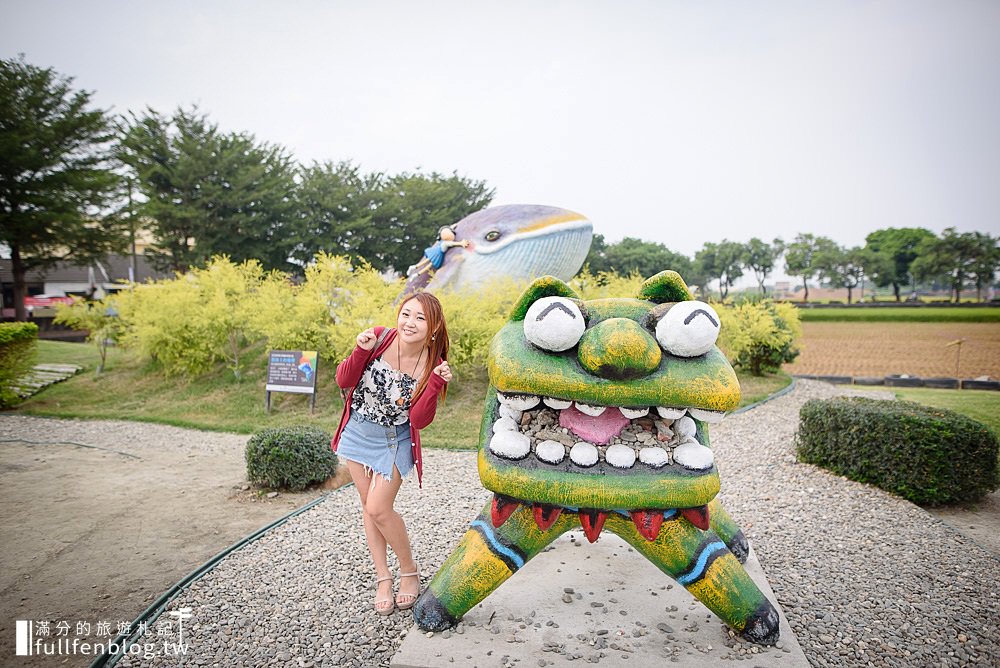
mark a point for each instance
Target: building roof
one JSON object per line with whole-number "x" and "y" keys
{"x": 116, "y": 267}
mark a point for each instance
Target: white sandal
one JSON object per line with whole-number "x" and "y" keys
{"x": 408, "y": 599}
{"x": 379, "y": 605}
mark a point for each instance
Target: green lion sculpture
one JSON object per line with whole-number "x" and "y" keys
{"x": 596, "y": 419}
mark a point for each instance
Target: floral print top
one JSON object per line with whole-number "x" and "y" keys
{"x": 383, "y": 394}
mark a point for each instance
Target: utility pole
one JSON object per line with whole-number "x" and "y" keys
{"x": 131, "y": 229}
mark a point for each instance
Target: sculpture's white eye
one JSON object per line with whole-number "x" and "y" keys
{"x": 688, "y": 329}
{"x": 554, "y": 323}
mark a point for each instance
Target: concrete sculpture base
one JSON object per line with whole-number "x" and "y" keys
{"x": 622, "y": 610}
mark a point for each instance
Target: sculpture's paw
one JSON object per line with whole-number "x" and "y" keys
{"x": 739, "y": 546}
{"x": 694, "y": 456}
{"x": 762, "y": 627}
{"x": 430, "y": 615}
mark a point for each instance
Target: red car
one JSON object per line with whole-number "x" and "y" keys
{"x": 45, "y": 301}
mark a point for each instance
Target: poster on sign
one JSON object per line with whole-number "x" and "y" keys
{"x": 291, "y": 371}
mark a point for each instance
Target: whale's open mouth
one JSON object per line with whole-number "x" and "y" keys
{"x": 561, "y": 434}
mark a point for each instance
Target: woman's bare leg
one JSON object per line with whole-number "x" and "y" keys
{"x": 379, "y": 507}
{"x": 376, "y": 541}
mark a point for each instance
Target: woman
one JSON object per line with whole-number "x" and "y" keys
{"x": 392, "y": 383}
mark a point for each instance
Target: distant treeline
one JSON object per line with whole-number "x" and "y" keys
{"x": 900, "y": 258}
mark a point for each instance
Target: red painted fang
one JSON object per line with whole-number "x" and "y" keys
{"x": 697, "y": 516}
{"x": 647, "y": 522}
{"x": 503, "y": 507}
{"x": 545, "y": 516}
{"x": 592, "y": 522}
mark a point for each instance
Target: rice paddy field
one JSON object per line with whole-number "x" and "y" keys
{"x": 862, "y": 348}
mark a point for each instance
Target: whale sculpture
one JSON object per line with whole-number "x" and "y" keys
{"x": 521, "y": 241}
{"x": 596, "y": 418}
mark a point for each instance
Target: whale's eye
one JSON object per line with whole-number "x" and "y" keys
{"x": 554, "y": 324}
{"x": 492, "y": 235}
{"x": 688, "y": 329}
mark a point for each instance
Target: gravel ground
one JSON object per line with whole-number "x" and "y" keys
{"x": 865, "y": 579}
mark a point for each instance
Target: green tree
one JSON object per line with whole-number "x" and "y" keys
{"x": 98, "y": 318}
{"x": 597, "y": 256}
{"x": 842, "y": 267}
{"x": 56, "y": 174}
{"x": 336, "y": 205}
{"x": 211, "y": 193}
{"x": 644, "y": 257}
{"x": 721, "y": 261}
{"x": 760, "y": 258}
{"x": 801, "y": 257}
{"x": 985, "y": 262}
{"x": 949, "y": 257}
{"x": 894, "y": 250}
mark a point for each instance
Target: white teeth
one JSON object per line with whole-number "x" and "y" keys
{"x": 550, "y": 451}
{"x": 583, "y": 454}
{"x": 519, "y": 402}
{"x": 510, "y": 444}
{"x": 504, "y": 424}
{"x": 620, "y": 456}
{"x": 693, "y": 456}
{"x": 633, "y": 413}
{"x": 557, "y": 404}
{"x": 507, "y": 411}
{"x": 712, "y": 417}
{"x": 684, "y": 427}
{"x": 670, "y": 413}
{"x": 655, "y": 457}
{"x": 592, "y": 411}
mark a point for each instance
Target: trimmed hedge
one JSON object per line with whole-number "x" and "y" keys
{"x": 923, "y": 454}
{"x": 901, "y": 314}
{"x": 17, "y": 356}
{"x": 290, "y": 458}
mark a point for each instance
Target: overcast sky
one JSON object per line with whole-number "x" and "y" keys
{"x": 674, "y": 122}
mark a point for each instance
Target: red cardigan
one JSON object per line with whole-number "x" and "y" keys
{"x": 422, "y": 410}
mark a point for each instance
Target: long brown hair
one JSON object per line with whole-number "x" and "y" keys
{"x": 436, "y": 344}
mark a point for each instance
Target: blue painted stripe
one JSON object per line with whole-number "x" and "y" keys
{"x": 496, "y": 545}
{"x": 699, "y": 567}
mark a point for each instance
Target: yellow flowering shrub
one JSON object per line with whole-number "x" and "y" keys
{"x": 759, "y": 336}
{"x": 327, "y": 310}
{"x": 474, "y": 317}
{"x": 605, "y": 284}
{"x": 191, "y": 322}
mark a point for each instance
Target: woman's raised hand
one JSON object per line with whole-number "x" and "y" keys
{"x": 366, "y": 339}
{"x": 444, "y": 371}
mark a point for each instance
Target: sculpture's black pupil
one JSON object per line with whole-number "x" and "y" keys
{"x": 687, "y": 320}
{"x": 556, "y": 305}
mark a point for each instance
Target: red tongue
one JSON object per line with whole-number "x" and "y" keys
{"x": 597, "y": 430}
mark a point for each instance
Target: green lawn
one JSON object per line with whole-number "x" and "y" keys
{"x": 85, "y": 355}
{"x": 981, "y": 405}
{"x": 900, "y": 314}
{"x": 132, "y": 389}
{"x": 757, "y": 389}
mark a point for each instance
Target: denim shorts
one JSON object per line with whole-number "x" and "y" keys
{"x": 376, "y": 446}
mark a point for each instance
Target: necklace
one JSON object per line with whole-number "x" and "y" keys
{"x": 399, "y": 363}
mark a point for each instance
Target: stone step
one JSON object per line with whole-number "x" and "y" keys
{"x": 43, "y": 375}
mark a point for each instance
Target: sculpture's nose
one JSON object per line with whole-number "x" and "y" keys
{"x": 619, "y": 349}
